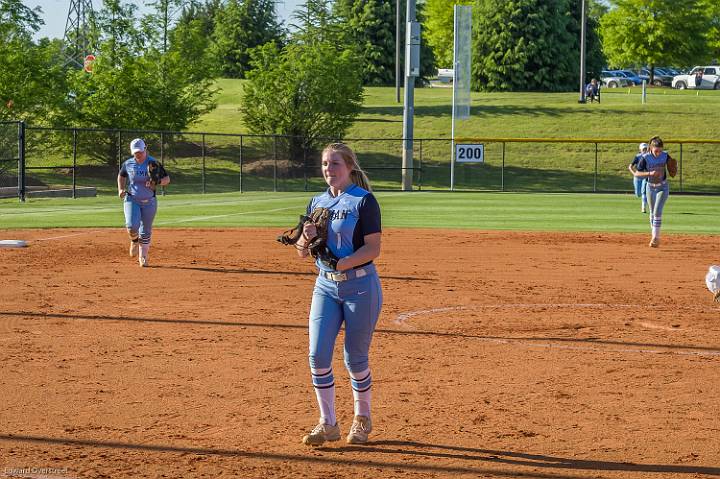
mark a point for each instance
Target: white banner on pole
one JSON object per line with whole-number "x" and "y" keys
{"x": 461, "y": 82}
{"x": 461, "y": 75}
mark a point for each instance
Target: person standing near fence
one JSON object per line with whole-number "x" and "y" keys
{"x": 137, "y": 190}
{"x": 349, "y": 294}
{"x": 655, "y": 166}
{"x": 639, "y": 182}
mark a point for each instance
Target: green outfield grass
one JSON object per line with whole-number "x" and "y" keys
{"x": 482, "y": 211}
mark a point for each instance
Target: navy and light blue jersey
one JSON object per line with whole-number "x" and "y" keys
{"x": 636, "y": 161}
{"x": 137, "y": 175}
{"x": 650, "y": 162}
{"x": 354, "y": 214}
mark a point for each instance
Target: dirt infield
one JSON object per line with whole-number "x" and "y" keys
{"x": 496, "y": 355}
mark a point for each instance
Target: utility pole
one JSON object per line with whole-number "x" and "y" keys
{"x": 412, "y": 70}
{"x": 397, "y": 51}
{"x": 582, "y": 52}
{"x": 78, "y": 41}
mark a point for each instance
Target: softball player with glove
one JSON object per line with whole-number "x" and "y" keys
{"x": 638, "y": 181}
{"x": 140, "y": 203}
{"x": 652, "y": 166}
{"x": 350, "y": 294}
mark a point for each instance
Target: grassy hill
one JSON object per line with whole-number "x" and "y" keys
{"x": 674, "y": 115}
{"x": 669, "y": 113}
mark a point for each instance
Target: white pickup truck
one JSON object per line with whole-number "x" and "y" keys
{"x": 446, "y": 75}
{"x": 710, "y": 79}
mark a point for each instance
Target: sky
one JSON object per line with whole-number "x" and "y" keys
{"x": 54, "y": 13}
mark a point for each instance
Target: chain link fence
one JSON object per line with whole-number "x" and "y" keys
{"x": 84, "y": 162}
{"x": 11, "y": 135}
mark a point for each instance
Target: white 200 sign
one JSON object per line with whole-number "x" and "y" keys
{"x": 465, "y": 153}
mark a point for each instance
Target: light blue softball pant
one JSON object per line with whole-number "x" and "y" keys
{"x": 355, "y": 302}
{"x": 640, "y": 191}
{"x": 139, "y": 216}
{"x": 656, "y": 197}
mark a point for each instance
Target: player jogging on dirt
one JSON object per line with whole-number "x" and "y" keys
{"x": 639, "y": 183}
{"x": 652, "y": 166}
{"x": 350, "y": 294}
{"x": 137, "y": 189}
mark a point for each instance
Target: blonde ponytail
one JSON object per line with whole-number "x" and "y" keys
{"x": 357, "y": 175}
{"x": 360, "y": 178}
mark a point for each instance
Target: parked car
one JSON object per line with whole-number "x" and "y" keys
{"x": 446, "y": 75}
{"x": 643, "y": 75}
{"x": 660, "y": 77}
{"x": 610, "y": 79}
{"x": 710, "y": 79}
{"x": 633, "y": 77}
{"x": 671, "y": 72}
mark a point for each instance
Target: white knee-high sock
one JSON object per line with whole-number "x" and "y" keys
{"x": 324, "y": 384}
{"x": 144, "y": 244}
{"x": 361, "y": 383}
{"x": 656, "y": 223}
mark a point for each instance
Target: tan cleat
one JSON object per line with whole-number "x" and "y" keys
{"x": 321, "y": 433}
{"x": 655, "y": 243}
{"x": 362, "y": 426}
{"x": 133, "y": 248}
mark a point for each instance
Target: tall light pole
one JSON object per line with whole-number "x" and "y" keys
{"x": 397, "y": 51}
{"x": 412, "y": 70}
{"x": 582, "y": 52}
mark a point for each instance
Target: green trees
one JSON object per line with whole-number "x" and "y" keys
{"x": 439, "y": 28}
{"x": 139, "y": 81}
{"x": 524, "y": 45}
{"x": 655, "y": 32}
{"x": 594, "y": 57}
{"x": 241, "y": 25}
{"x": 31, "y": 80}
{"x": 191, "y": 38}
{"x": 310, "y": 90}
{"x": 712, "y": 9}
{"x": 370, "y": 27}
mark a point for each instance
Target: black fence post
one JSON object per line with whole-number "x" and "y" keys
{"x": 681, "y": 166}
{"x": 420, "y": 166}
{"x": 275, "y": 160}
{"x": 203, "y": 163}
{"x": 74, "y": 167}
{"x": 305, "y": 168}
{"x": 502, "y": 169}
{"x": 596, "y": 170}
{"x": 241, "y": 163}
{"x": 162, "y": 157}
{"x": 21, "y": 161}
{"x": 119, "y": 149}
